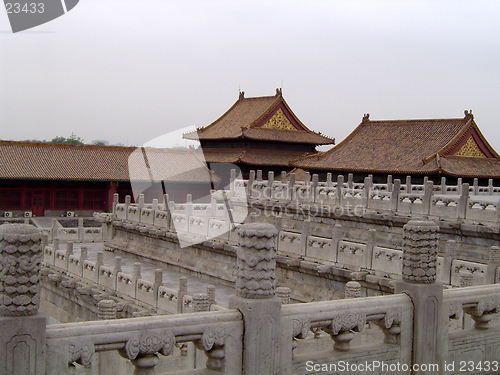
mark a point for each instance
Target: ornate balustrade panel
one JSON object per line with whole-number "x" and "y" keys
{"x": 387, "y": 260}
{"x": 290, "y": 242}
{"x": 162, "y": 219}
{"x": 198, "y": 226}
{"x": 302, "y": 193}
{"x": 353, "y": 197}
{"x": 121, "y": 211}
{"x": 344, "y": 320}
{"x": 327, "y": 195}
{"x": 92, "y": 234}
{"x": 379, "y": 200}
{"x": 218, "y": 227}
{"x": 480, "y": 343}
{"x": 147, "y": 216}
{"x": 133, "y": 214}
{"x": 91, "y": 271}
{"x": 67, "y": 234}
{"x": 75, "y": 265}
{"x": 107, "y": 277}
{"x": 180, "y": 222}
{"x": 351, "y": 254}
{"x": 187, "y": 303}
{"x": 411, "y": 203}
{"x": 125, "y": 284}
{"x": 167, "y": 299}
{"x": 145, "y": 292}
{"x": 462, "y": 267}
{"x": 141, "y": 340}
{"x": 481, "y": 210}
{"x": 444, "y": 206}
{"x": 60, "y": 259}
{"x": 321, "y": 248}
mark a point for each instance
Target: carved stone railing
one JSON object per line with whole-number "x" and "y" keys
{"x": 141, "y": 340}
{"x": 343, "y": 321}
{"x": 473, "y": 314}
{"x": 448, "y": 202}
{"x": 113, "y": 279}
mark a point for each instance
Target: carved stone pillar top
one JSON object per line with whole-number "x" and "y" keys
{"x": 352, "y": 289}
{"x": 420, "y": 250}
{"x": 20, "y": 257}
{"x": 106, "y": 309}
{"x": 256, "y": 260}
{"x": 283, "y": 293}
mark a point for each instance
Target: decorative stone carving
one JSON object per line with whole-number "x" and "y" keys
{"x": 283, "y": 293}
{"x": 391, "y": 325}
{"x": 149, "y": 343}
{"x": 106, "y": 309}
{"x": 420, "y": 240}
{"x": 301, "y": 328}
{"x": 342, "y": 327}
{"x": 466, "y": 280}
{"x": 81, "y": 352}
{"x": 256, "y": 261}
{"x": 201, "y": 303}
{"x": 494, "y": 254}
{"x": 20, "y": 257}
{"x": 455, "y": 309}
{"x": 212, "y": 342}
{"x": 352, "y": 289}
{"x": 484, "y": 311}
{"x": 212, "y": 336}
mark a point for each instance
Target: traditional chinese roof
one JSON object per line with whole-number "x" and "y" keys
{"x": 266, "y": 118}
{"x": 452, "y": 147}
{"x": 45, "y": 161}
{"x": 251, "y": 156}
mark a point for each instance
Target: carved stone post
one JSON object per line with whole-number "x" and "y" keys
{"x": 352, "y": 289}
{"x": 268, "y": 190}
{"x": 339, "y": 187}
{"x": 428, "y": 193}
{"x": 462, "y": 203}
{"x": 251, "y": 179}
{"x": 420, "y": 249}
{"x": 493, "y": 263}
{"x": 81, "y": 230}
{"x": 69, "y": 251}
{"x": 22, "y": 336}
{"x": 370, "y": 244}
{"x": 283, "y": 293}
{"x": 54, "y": 233}
{"x": 396, "y": 189}
{"x": 211, "y": 295}
{"x": 450, "y": 253}
{"x": 255, "y": 287}
{"x": 183, "y": 281}
{"x": 201, "y": 302}
{"x": 106, "y": 309}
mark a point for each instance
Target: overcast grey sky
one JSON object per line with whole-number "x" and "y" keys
{"x": 131, "y": 70}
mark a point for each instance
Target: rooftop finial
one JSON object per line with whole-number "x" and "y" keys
{"x": 242, "y": 94}
{"x": 366, "y": 117}
{"x": 278, "y": 91}
{"x": 468, "y": 114}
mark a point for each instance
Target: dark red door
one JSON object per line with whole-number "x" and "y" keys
{"x": 37, "y": 204}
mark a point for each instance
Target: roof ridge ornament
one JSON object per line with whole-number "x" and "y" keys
{"x": 366, "y": 117}
{"x": 242, "y": 95}
{"x": 468, "y": 114}
{"x": 278, "y": 92}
